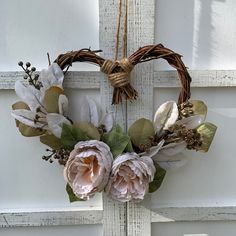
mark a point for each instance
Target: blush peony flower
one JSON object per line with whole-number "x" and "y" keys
{"x": 88, "y": 168}
{"x": 130, "y": 177}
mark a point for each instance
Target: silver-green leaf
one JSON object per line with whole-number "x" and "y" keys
{"x": 207, "y": 132}
{"x": 141, "y": 132}
{"x": 165, "y": 116}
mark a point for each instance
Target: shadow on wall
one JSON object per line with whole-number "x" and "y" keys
{"x": 203, "y": 40}
{"x": 189, "y": 28}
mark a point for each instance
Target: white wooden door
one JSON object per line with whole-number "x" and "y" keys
{"x": 190, "y": 200}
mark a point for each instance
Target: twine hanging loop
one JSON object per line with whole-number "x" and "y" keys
{"x": 118, "y": 72}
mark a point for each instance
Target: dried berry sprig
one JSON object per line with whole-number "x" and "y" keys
{"x": 180, "y": 133}
{"x": 185, "y": 110}
{"x": 30, "y": 75}
{"x": 61, "y": 155}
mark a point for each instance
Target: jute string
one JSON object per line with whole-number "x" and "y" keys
{"x": 118, "y": 71}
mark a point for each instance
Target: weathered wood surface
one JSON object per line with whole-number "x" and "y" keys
{"x": 162, "y": 79}
{"x": 50, "y": 218}
{"x": 79, "y": 217}
{"x": 179, "y": 214}
{"x": 114, "y": 221}
{"x": 82, "y": 80}
{"x": 140, "y": 32}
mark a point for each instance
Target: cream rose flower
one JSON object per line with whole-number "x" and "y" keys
{"x": 88, "y": 168}
{"x": 130, "y": 177}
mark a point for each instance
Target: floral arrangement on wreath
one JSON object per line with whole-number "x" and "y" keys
{"x": 96, "y": 152}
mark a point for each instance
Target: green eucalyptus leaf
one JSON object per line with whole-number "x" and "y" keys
{"x": 28, "y": 131}
{"x": 51, "y": 141}
{"x": 116, "y": 140}
{"x": 118, "y": 129}
{"x": 51, "y": 98}
{"x": 89, "y": 129}
{"x": 129, "y": 147}
{"x": 158, "y": 179}
{"x": 199, "y": 107}
{"x": 71, "y": 195}
{"x": 71, "y": 135}
{"x": 207, "y": 132}
{"x": 141, "y": 131}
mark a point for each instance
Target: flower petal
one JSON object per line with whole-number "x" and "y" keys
{"x": 28, "y": 94}
{"x": 55, "y": 122}
{"x": 63, "y": 105}
{"x": 191, "y": 122}
{"x": 165, "y": 116}
{"x": 108, "y": 122}
{"x": 53, "y": 76}
{"x": 27, "y": 117}
{"x": 173, "y": 148}
{"x": 89, "y": 111}
{"x": 170, "y": 162}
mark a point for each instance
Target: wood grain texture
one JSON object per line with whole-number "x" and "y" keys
{"x": 162, "y": 79}
{"x": 81, "y": 217}
{"x": 140, "y": 33}
{"x": 200, "y": 78}
{"x": 50, "y": 218}
{"x": 114, "y": 221}
{"x": 76, "y": 79}
{"x": 191, "y": 214}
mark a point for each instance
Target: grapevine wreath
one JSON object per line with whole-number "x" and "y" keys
{"x": 96, "y": 152}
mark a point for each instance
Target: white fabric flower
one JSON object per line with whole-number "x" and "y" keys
{"x": 90, "y": 112}
{"x": 38, "y": 116}
{"x": 130, "y": 177}
{"x": 88, "y": 168}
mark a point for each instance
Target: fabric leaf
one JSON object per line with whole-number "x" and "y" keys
{"x": 89, "y": 129}
{"x": 27, "y": 117}
{"x": 170, "y": 162}
{"x": 53, "y": 76}
{"x": 51, "y": 99}
{"x": 173, "y": 148}
{"x": 29, "y": 95}
{"x": 108, "y": 122}
{"x": 89, "y": 111}
{"x": 63, "y": 105}
{"x": 199, "y": 108}
{"x": 207, "y": 132}
{"x": 191, "y": 122}
{"x": 116, "y": 140}
{"x": 141, "y": 131}
{"x": 51, "y": 141}
{"x": 55, "y": 122}
{"x": 71, "y": 135}
{"x": 28, "y": 131}
{"x": 165, "y": 116}
{"x": 71, "y": 195}
{"x": 20, "y": 105}
{"x": 158, "y": 179}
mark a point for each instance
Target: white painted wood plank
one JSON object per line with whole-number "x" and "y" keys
{"x": 162, "y": 79}
{"x": 140, "y": 33}
{"x": 178, "y": 214}
{"x": 200, "y": 78}
{"x": 83, "y": 80}
{"x": 74, "y": 217}
{"x": 50, "y": 218}
{"x": 114, "y": 221}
